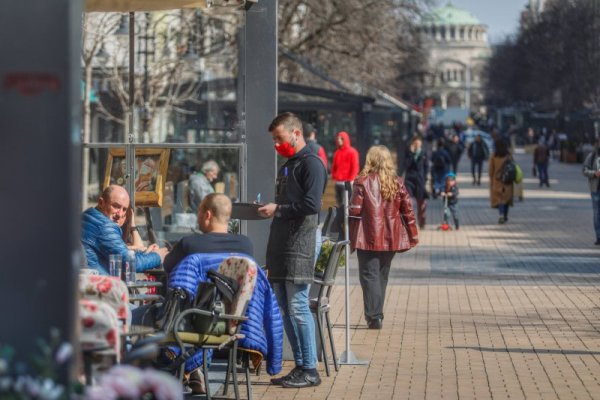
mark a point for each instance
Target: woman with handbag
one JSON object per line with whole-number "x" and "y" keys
{"x": 382, "y": 223}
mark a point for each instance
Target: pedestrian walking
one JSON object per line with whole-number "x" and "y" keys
{"x": 501, "y": 193}
{"x": 291, "y": 246}
{"x": 311, "y": 141}
{"x": 345, "y": 166}
{"x": 591, "y": 170}
{"x": 415, "y": 170}
{"x": 382, "y": 223}
{"x": 478, "y": 152}
{"x": 455, "y": 149}
{"x": 541, "y": 157}
{"x": 440, "y": 166}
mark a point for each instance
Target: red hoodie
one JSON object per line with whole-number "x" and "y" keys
{"x": 345, "y": 160}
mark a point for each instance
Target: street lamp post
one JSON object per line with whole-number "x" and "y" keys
{"x": 146, "y": 52}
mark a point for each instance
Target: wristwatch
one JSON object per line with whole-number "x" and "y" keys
{"x": 134, "y": 228}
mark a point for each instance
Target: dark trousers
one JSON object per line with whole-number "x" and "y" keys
{"x": 476, "y": 164}
{"x": 420, "y": 206}
{"x": 373, "y": 272}
{"x": 543, "y": 173}
{"x": 339, "y": 193}
{"x": 503, "y": 210}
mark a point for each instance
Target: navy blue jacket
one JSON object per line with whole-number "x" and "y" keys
{"x": 264, "y": 328}
{"x": 101, "y": 237}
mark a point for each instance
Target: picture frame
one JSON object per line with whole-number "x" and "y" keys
{"x": 150, "y": 173}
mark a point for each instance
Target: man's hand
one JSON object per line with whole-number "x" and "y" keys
{"x": 268, "y": 210}
{"x": 152, "y": 247}
{"x": 162, "y": 252}
{"x": 597, "y": 174}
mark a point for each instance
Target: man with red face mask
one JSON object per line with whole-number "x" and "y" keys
{"x": 345, "y": 166}
{"x": 291, "y": 247}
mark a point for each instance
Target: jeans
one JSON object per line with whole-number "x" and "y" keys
{"x": 543, "y": 173}
{"x": 503, "y": 210}
{"x": 596, "y": 205}
{"x": 438, "y": 178}
{"x": 476, "y": 164}
{"x": 298, "y": 322}
{"x": 373, "y": 272}
{"x": 452, "y": 209}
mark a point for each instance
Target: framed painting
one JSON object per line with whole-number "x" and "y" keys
{"x": 151, "y": 166}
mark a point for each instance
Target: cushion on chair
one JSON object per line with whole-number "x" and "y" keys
{"x": 99, "y": 326}
{"x": 243, "y": 270}
{"x": 108, "y": 289}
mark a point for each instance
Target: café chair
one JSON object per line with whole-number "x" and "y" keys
{"x": 223, "y": 329}
{"x": 328, "y": 224}
{"x": 320, "y": 305}
{"x": 103, "y": 315}
{"x": 109, "y": 290}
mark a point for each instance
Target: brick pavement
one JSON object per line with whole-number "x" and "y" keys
{"x": 489, "y": 311}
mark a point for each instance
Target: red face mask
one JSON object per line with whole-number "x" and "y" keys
{"x": 285, "y": 150}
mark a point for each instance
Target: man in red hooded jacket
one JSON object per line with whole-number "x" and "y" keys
{"x": 345, "y": 165}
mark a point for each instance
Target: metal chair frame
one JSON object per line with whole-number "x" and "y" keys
{"x": 320, "y": 305}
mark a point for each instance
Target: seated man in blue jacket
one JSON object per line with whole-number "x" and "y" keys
{"x": 101, "y": 233}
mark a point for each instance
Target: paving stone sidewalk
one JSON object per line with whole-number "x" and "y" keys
{"x": 489, "y": 311}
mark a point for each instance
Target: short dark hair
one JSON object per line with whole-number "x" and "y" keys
{"x": 289, "y": 121}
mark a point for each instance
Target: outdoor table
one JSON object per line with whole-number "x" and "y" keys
{"x": 144, "y": 297}
{"x": 138, "y": 330}
{"x": 143, "y": 284}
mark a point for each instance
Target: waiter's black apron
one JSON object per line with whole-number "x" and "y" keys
{"x": 291, "y": 247}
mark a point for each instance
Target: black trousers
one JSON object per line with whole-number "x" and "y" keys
{"x": 476, "y": 164}
{"x": 339, "y": 193}
{"x": 373, "y": 272}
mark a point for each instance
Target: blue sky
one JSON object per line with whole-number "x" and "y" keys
{"x": 501, "y": 16}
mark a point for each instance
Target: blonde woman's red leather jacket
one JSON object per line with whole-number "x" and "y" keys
{"x": 377, "y": 224}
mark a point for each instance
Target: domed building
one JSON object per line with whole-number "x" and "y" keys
{"x": 458, "y": 52}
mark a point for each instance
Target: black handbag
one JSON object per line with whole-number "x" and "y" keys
{"x": 215, "y": 297}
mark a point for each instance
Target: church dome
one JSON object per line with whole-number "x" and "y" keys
{"x": 450, "y": 15}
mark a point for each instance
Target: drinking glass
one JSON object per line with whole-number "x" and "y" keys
{"x": 114, "y": 265}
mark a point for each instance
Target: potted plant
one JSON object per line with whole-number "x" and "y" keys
{"x": 569, "y": 152}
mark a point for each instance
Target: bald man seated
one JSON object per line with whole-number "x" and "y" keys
{"x": 214, "y": 213}
{"x": 101, "y": 233}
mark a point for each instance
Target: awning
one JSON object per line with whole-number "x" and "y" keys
{"x": 154, "y": 5}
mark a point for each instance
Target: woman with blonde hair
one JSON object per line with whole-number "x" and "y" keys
{"x": 382, "y": 223}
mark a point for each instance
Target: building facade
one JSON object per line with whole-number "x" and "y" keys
{"x": 458, "y": 53}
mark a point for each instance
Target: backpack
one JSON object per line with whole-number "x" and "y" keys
{"x": 508, "y": 173}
